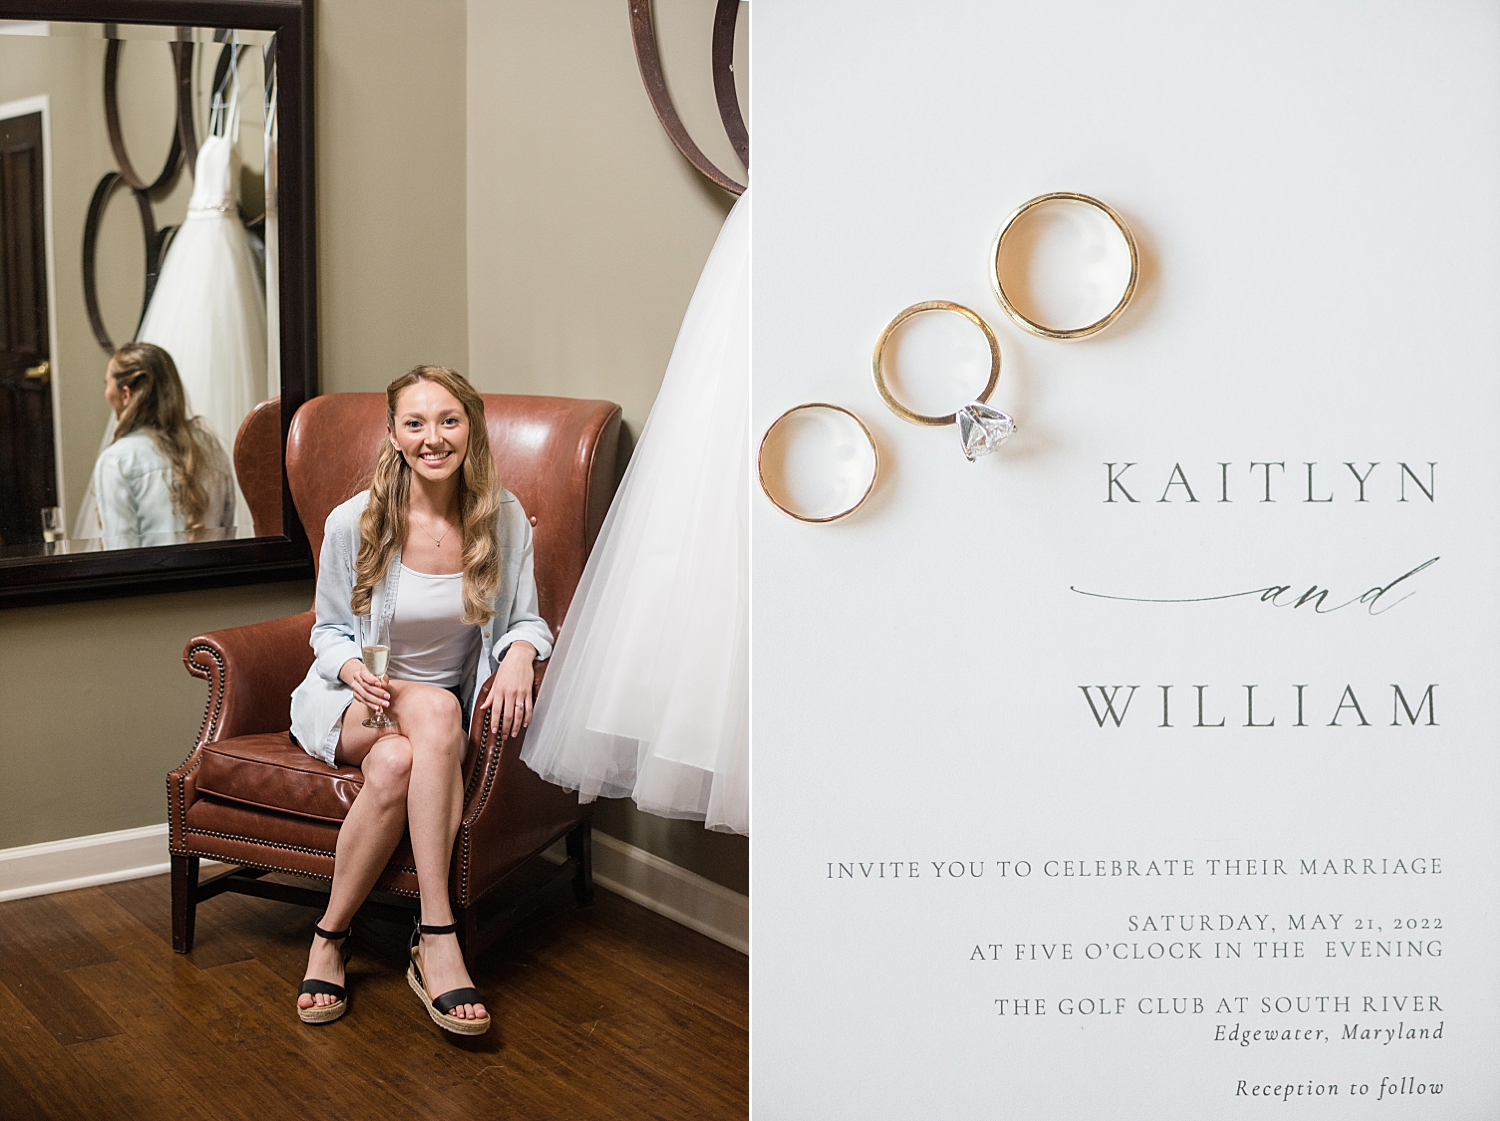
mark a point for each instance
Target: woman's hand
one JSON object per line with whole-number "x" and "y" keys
{"x": 510, "y": 691}
{"x": 372, "y": 690}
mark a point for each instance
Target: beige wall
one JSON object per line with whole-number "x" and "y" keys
{"x": 391, "y": 253}
{"x": 526, "y": 221}
{"x": 586, "y": 234}
{"x": 98, "y": 708}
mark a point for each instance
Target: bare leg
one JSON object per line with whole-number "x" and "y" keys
{"x": 431, "y": 720}
{"x": 369, "y": 835}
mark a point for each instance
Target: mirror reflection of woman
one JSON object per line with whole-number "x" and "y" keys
{"x": 438, "y": 549}
{"x": 164, "y": 478}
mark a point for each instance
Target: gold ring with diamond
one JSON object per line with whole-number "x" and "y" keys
{"x": 1032, "y": 325}
{"x": 981, "y": 428}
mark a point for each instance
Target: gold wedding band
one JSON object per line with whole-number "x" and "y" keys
{"x": 1041, "y": 329}
{"x": 933, "y": 305}
{"x": 760, "y": 468}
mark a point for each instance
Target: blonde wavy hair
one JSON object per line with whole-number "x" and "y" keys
{"x": 383, "y": 525}
{"x": 158, "y": 405}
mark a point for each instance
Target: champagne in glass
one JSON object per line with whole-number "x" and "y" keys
{"x": 375, "y": 651}
{"x": 376, "y": 658}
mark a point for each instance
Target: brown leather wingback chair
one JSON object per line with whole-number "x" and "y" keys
{"x": 248, "y": 796}
{"x": 257, "y": 465}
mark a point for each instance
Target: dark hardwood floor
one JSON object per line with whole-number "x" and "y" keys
{"x": 606, "y": 1012}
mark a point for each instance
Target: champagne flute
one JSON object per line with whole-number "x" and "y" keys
{"x": 375, "y": 652}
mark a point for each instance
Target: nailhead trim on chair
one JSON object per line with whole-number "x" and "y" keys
{"x": 262, "y": 843}
{"x": 288, "y": 848}
{"x": 484, "y": 768}
{"x": 214, "y": 709}
{"x": 478, "y": 763}
{"x": 277, "y": 845}
{"x": 463, "y": 834}
{"x": 492, "y": 768}
{"x": 181, "y": 791}
{"x": 474, "y": 778}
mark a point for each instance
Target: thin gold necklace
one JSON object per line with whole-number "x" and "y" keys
{"x": 437, "y": 541}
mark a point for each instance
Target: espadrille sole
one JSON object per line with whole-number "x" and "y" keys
{"x": 324, "y": 1013}
{"x": 443, "y": 1020}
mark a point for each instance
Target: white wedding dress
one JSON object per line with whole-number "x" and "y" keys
{"x": 647, "y": 693}
{"x": 208, "y": 312}
{"x": 209, "y": 308}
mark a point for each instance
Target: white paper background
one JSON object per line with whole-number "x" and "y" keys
{"x": 1314, "y": 188}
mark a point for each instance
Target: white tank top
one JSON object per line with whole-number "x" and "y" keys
{"x": 430, "y": 642}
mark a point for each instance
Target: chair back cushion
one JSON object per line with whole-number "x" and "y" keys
{"x": 257, "y": 465}
{"x": 555, "y": 454}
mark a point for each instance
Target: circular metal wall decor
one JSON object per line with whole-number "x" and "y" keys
{"x": 154, "y": 242}
{"x": 181, "y": 73}
{"x": 648, "y": 58}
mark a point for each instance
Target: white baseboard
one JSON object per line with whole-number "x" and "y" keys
{"x": 129, "y": 854}
{"x": 102, "y": 858}
{"x": 672, "y": 892}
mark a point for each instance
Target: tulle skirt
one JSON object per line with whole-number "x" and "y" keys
{"x": 209, "y": 313}
{"x": 647, "y": 694}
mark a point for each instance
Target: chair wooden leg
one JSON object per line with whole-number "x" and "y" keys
{"x": 581, "y": 849}
{"x": 184, "y": 901}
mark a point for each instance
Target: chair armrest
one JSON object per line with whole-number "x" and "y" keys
{"x": 478, "y": 733}
{"x": 251, "y": 672}
{"x": 510, "y": 812}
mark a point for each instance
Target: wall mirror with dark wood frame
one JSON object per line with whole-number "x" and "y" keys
{"x": 156, "y": 191}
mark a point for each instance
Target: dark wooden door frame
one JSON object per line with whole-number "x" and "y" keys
{"x": 27, "y": 342}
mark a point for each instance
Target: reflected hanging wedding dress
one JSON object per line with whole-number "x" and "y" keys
{"x": 209, "y": 308}
{"x": 208, "y": 311}
{"x": 647, "y": 693}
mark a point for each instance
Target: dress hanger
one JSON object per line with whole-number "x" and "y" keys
{"x": 224, "y": 113}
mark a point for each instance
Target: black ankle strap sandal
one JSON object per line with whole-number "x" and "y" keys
{"x": 325, "y": 1013}
{"x": 440, "y": 1007}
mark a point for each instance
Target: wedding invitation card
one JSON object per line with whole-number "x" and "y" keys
{"x": 1150, "y": 765}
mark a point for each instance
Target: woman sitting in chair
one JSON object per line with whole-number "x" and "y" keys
{"x": 441, "y": 554}
{"x": 165, "y": 478}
